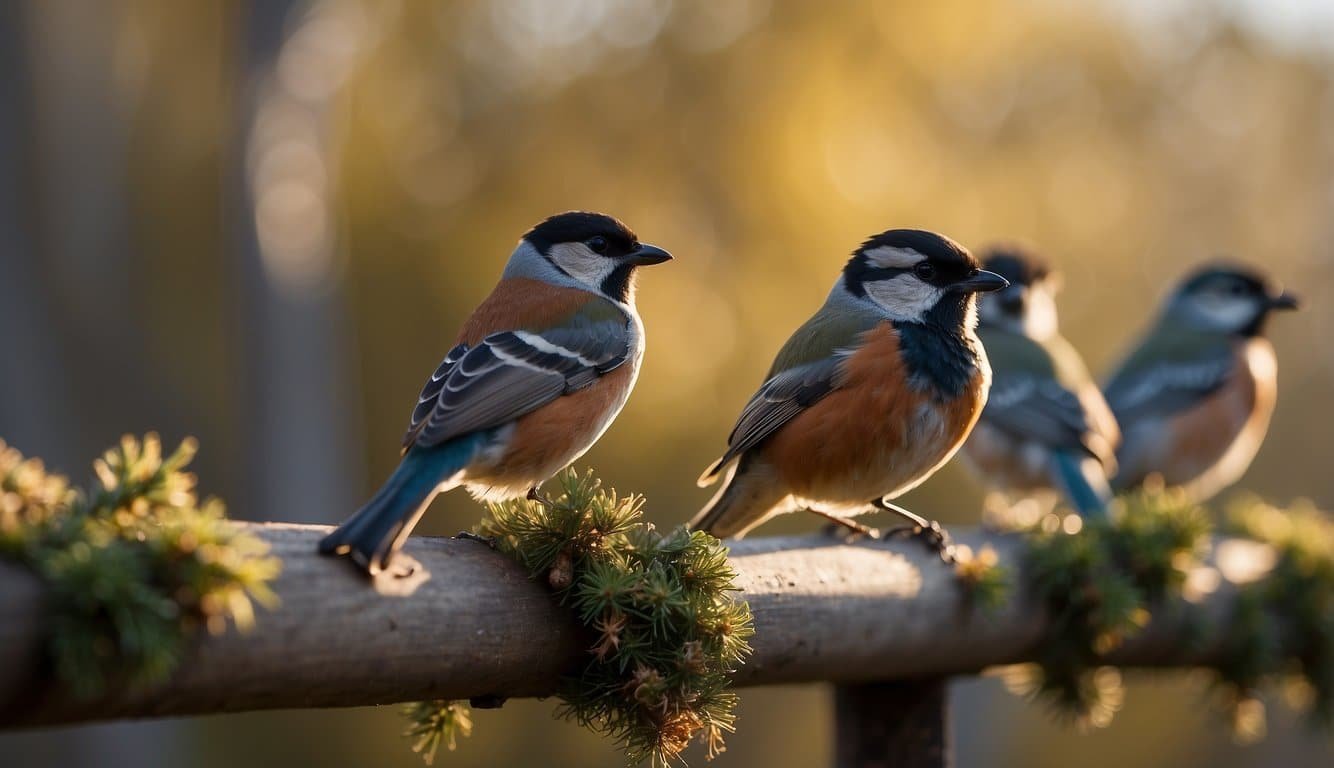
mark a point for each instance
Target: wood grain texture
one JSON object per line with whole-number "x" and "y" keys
{"x": 470, "y": 624}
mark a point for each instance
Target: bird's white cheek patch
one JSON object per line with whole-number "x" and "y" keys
{"x": 890, "y": 257}
{"x": 1040, "y": 314}
{"x": 904, "y": 297}
{"x": 581, "y": 263}
{"x": 1226, "y": 312}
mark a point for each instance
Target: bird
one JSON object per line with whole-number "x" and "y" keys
{"x": 867, "y": 399}
{"x": 1046, "y": 426}
{"x": 539, "y": 372}
{"x": 1194, "y": 397}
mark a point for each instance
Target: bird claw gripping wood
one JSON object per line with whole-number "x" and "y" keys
{"x": 933, "y": 535}
{"x": 490, "y": 541}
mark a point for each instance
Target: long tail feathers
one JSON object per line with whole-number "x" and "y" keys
{"x": 1084, "y": 482}
{"x": 741, "y": 503}
{"x": 710, "y": 475}
{"x": 377, "y": 530}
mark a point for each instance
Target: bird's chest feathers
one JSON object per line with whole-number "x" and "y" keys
{"x": 880, "y": 432}
{"x": 938, "y": 362}
{"x": 1214, "y": 442}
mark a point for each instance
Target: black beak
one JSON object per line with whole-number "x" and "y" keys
{"x": 644, "y": 255}
{"x": 981, "y": 281}
{"x": 1285, "y": 300}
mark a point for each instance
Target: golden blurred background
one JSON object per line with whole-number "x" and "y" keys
{"x": 261, "y": 223}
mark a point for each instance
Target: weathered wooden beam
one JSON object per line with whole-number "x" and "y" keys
{"x": 470, "y": 624}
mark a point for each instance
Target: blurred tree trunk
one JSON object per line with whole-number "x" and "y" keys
{"x": 75, "y": 374}
{"x": 32, "y": 387}
{"x": 299, "y": 407}
{"x": 81, "y": 255}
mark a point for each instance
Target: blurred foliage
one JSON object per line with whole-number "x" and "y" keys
{"x": 1102, "y": 581}
{"x": 132, "y": 568}
{"x": 1284, "y": 628}
{"x": 1098, "y": 580}
{"x": 985, "y": 581}
{"x": 437, "y": 722}
{"x": 663, "y": 628}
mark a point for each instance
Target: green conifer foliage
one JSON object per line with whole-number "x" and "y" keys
{"x": 664, "y": 627}
{"x": 1105, "y": 582}
{"x": 133, "y": 567}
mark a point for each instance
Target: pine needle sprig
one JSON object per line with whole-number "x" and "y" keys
{"x": 435, "y": 723}
{"x": 134, "y": 566}
{"x": 664, "y": 626}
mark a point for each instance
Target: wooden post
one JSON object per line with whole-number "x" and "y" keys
{"x": 903, "y": 724}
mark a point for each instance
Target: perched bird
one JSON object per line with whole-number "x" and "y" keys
{"x": 868, "y": 398}
{"x": 1195, "y": 396}
{"x": 1046, "y": 425}
{"x": 539, "y": 372}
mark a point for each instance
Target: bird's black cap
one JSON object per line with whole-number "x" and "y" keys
{"x": 952, "y": 261}
{"x": 578, "y": 226}
{"x": 1224, "y": 272}
{"x": 1016, "y": 263}
{"x": 932, "y": 245}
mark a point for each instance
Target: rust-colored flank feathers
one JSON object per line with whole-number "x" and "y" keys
{"x": 873, "y": 435}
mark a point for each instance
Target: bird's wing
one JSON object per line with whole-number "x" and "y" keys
{"x": 779, "y": 400}
{"x": 1041, "y": 410}
{"x": 1042, "y": 392}
{"x": 511, "y": 373}
{"x": 808, "y": 367}
{"x": 1167, "y": 375}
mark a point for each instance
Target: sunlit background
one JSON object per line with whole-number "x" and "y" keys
{"x": 261, "y": 223}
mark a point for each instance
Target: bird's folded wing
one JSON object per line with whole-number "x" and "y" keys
{"x": 779, "y": 400}
{"x": 512, "y": 373}
{"x": 1042, "y": 411}
{"x": 1168, "y": 385}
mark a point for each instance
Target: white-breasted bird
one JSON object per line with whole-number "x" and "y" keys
{"x": 539, "y": 372}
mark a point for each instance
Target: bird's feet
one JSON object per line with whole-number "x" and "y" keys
{"x": 849, "y": 530}
{"x": 930, "y": 531}
{"x": 490, "y": 541}
{"x": 539, "y": 497}
{"x": 935, "y": 537}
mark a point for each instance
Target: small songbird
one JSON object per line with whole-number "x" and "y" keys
{"x": 868, "y": 398}
{"x": 540, "y": 371}
{"x": 1046, "y": 426}
{"x": 1195, "y": 396}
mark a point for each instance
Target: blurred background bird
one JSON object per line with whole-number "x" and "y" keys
{"x": 540, "y": 370}
{"x": 1195, "y": 396}
{"x": 1046, "y": 426}
{"x": 867, "y": 399}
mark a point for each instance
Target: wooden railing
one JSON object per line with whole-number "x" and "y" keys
{"x": 886, "y": 622}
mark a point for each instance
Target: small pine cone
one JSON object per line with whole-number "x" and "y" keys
{"x": 562, "y": 571}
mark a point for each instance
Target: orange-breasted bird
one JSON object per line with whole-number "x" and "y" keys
{"x": 868, "y": 398}
{"x": 539, "y": 372}
{"x": 1195, "y": 395}
{"x": 1046, "y": 425}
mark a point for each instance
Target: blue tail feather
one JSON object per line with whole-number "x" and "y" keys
{"x": 1081, "y": 478}
{"x": 377, "y": 530}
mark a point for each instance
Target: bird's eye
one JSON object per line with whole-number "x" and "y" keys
{"x": 597, "y": 244}
{"x": 924, "y": 270}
